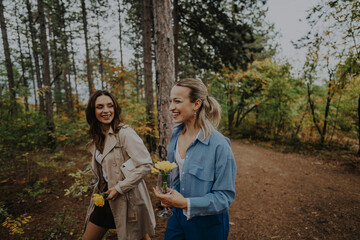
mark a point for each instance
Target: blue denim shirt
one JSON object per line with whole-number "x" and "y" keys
{"x": 208, "y": 173}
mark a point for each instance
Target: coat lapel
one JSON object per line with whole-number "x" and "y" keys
{"x": 110, "y": 142}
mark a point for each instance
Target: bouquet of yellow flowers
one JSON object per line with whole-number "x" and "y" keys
{"x": 99, "y": 199}
{"x": 163, "y": 169}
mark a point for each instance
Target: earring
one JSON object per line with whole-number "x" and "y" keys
{"x": 194, "y": 114}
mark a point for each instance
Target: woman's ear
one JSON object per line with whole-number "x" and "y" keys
{"x": 198, "y": 103}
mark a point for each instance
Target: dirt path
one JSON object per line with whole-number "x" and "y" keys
{"x": 290, "y": 196}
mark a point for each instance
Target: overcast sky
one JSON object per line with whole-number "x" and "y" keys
{"x": 286, "y": 14}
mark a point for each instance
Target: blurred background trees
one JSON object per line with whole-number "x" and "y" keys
{"x": 230, "y": 45}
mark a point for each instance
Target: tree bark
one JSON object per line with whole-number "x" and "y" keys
{"x": 56, "y": 51}
{"x": 358, "y": 111}
{"x": 35, "y": 50}
{"x": 165, "y": 70}
{"x": 148, "y": 83}
{"x": 31, "y": 69}
{"x": 122, "y": 79}
{"x": 120, "y": 33}
{"x": 22, "y": 63}
{"x": 74, "y": 70}
{"x": 8, "y": 62}
{"x": 46, "y": 77}
{"x": 176, "y": 36}
{"x": 65, "y": 61}
{"x": 88, "y": 67}
{"x": 101, "y": 67}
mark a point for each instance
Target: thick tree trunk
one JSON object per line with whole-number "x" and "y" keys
{"x": 176, "y": 36}
{"x": 147, "y": 61}
{"x": 8, "y": 62}
{"x": 165, "y": 69}
{"x": 88, "y": 67}
{"x": 35, "y": 50}
{"x": 46, "y": 77}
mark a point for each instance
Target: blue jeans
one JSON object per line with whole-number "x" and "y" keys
{"x": 212, "y": 227}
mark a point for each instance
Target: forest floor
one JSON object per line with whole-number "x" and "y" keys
{"x": 278, "y": 196}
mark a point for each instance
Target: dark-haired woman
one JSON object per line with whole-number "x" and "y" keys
{"x": 205, "y": 178}
{"x": 127, "y": 207}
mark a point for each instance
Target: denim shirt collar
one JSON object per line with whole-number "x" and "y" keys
{"x": 200, "y": 137}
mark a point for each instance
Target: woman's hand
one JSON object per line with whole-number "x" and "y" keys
{"x": 113, "y": 194}
{"x": 174, "y": 199}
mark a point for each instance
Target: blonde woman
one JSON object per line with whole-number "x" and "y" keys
{"x": 205, "y": 177}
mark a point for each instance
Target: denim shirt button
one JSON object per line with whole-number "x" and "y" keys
{"x": 183, "y": 189}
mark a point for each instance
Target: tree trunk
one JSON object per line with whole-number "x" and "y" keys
{"x": 56, "y": 67}
{"x": 56, "y": 52}
{"x": 65, "y": 58}
{"x": 101, "y": 67}
{"x": 46, "y": 77}
{"x": 312, "y": 108}
{"x": 74, "y": 70}
{"x": 88, "y": 67}
{"x": 35, "y": 51}
{"x": 120, "y": 33}
{"x": 176, "y": 36}
{"x": 8, "y": 62}
{"x": 31, "y": 69}
{"x": 165, "y": 70}
{"x": 148, "y": 83}
{"x": 358, "y": 111}
{"x": 22, "y": 63}
{"x": 122, "y": 79}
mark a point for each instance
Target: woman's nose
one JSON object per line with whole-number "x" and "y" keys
{"x": 171, "y": 106}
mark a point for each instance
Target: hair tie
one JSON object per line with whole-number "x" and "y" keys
{"x": 207, "y": 98}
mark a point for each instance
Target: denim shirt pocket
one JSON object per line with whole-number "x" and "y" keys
{"x": 201, "y": 180}
{"x": 201, "y": 173}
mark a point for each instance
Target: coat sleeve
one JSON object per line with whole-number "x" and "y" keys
{"x": 139, "y": 155}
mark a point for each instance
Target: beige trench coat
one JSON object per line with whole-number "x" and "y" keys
{"x": 132, "y": 209}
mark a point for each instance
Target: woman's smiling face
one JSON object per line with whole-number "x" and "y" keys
{"x": 181, "y": 107}
{"x": 104, "y": 109}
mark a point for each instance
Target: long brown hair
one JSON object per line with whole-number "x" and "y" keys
{"x": 95, "y": 126}
{"x": 209, "y": 110}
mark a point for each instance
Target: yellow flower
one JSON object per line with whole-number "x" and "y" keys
{"x": 165, "y": 166}
{"x": 154, "y": 170}
{"x": 99, "y": 200}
